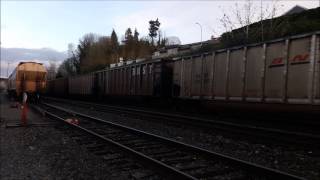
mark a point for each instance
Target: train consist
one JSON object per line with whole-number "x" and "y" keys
{"x": 284, "y": 71}
{"x": 29, "y": 77}
{"x": 145, "y": 78}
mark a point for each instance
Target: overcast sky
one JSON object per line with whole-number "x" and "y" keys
{"x": 54, "y": 24}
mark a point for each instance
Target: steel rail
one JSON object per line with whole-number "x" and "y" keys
{"x": 248, "y": 166}
{"x": 169, "y": 171}
{"x": 279, "y": 134}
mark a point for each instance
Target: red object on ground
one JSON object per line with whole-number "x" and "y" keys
{"x": 24, "y": 114}
{"x": 73, "y": 121}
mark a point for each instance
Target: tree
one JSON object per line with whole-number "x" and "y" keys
{"x": 128, "y": 35}
{"x": 114, "y": 46}
{"x": 96, "y": 52}
{"x": 136, "y": 43}
{"x": 52, "y": 68}
{"x": 83, "y": 49}
{"x": 71, "y": 50}
{"x": 271, "y": 14}
{"x": 243, "y": 16}
{"x": 114, "y": 42}
{"x": 159, "y": 38}
{"x": 114, "y": 39}
{"x": 145, "y": 48}
{"x": 66, "y": 68}
{"x": 128, "y": 45}
{"x": 136, "y": 35}
{"x": 153, "y": 29}
{"x": 162, "y": 40}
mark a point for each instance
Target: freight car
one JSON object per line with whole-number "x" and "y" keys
{"x": 58, "y": 87}
{"x": 29, "y": 77}
{"x": 280, "y": 72}
{"x": 134, "y": 78}
{"x": 139, "y": 78}
{"x": 82, "y": 85}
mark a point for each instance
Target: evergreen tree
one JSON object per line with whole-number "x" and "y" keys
{"x": 95, "y": 52}
{"x": 136, "y": 35}
{"x": 115, "y": 49}
{"x": 114, "y": 39}
{"x": 136, "y": 42}
{"x": 128, "y": 35}
{"x": 128, "y": 45}
{"x": 154, "y": 27}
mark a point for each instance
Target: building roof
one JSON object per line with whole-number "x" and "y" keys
{"x": 295, "y": 9}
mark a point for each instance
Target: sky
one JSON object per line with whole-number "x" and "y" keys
{"x": 55, "y": 24}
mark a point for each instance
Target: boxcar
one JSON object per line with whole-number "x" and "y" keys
{"x": 281, "y": 71}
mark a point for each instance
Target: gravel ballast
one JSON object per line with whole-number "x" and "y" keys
{"x": 44, "y": 152}
{"x": 299, "y": 161}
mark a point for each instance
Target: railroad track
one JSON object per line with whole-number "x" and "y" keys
{"x": 250, "y": 131}
{"x": 168, "y": 157}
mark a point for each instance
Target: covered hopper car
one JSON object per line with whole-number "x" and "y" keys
{"x": 29, "y": 77}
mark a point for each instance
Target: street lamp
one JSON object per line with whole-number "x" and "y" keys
{"x": 201, "y": 30}
{"x": 8, "y": 69}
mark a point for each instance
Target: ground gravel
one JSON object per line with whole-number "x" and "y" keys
{"x": 44, "y": 152}
{"x": 300, "y": 161}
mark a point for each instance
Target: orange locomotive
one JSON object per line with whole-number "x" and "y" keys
{"x": 29, "y": 77}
